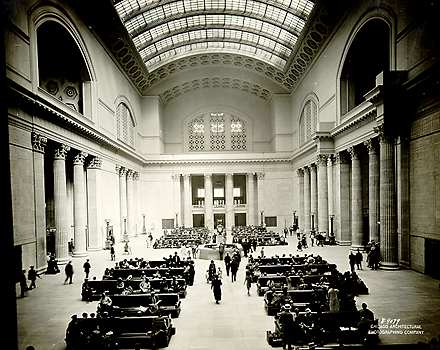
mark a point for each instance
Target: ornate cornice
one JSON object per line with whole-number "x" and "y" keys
{"x": 80, "y": 158}
{"x": 39, "y": 142}
{"x": 363, "y": 113}
{"x": 95, "y": 163}
{"x": 61, "y": 152}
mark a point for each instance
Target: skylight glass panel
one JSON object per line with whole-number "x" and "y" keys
{"x": 215, "y": 4}
{"x": 194, "y": 5}
{"x": 197, "y": 35}
{"x": 159, "y": 30}
{"x": 252, "y": 23}
{"x": 179, "y": 38}
{"x": 248, "y": 48}
{"x": 173, "y": 8}
{"x": 282, "y": 50}
{"x": 234, "y": 20}
{"x": 253, "y": 38}
{"x": 256, "y": 7}
{"x": 294, "y": 22}
{"x": 275, "y": 13}
{"x": 149, "y": 50}
{"x": 287, "y": 37}
{"x": 214, "y": 19}
{"x": 135, "y": 23}
{"x": 237, "y": 5}
{"x": 142, "y": 39}
{"x": 196, "y": 20}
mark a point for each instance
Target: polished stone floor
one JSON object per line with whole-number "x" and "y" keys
{"x": 240, "y": 321}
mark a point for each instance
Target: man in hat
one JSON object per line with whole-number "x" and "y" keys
{"x": 32, "y": 276}
{"x": 286, "y": 322}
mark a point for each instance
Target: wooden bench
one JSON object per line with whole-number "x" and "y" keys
{"x": 301, "y": 299}
{"x": 137, "y": 273}
{"x": 263, "y": 281}
{"x": 169, "y": 304}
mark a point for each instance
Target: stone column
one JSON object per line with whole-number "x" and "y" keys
{"x": 122, "y": 200}
{"x": 130, "y": 202}
{"x": 260, "y": 199}
{"x": 229, "y": 202}
{"x": 330, "y": 197}
{"x": 209, "y": 213}
{"x": 373, "y": 190}
{"x": 187, "y": 197}
{"x": 250, "y": 199}
{"x": 136, "y": 216}
{"x": 300, "y": 173}
{"x": 356, "y": 200}
{"x": 38, "y": 146}
{"x": 313, "y": 197}
{"x": 388, "y": 212}
{"x": 322, "y": 194}
{"x": 94, "y": 234}
{"x": 307, "y": 198}
{"x": 343, "y": 235}
{"x": 177, "y": 200}
{"x": 60, "y": 203}
{"x": 79, "y": 205}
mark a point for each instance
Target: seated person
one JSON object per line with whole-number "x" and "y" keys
{"x": 367, "y": 319}
{"x": 174, "y": 285}
{"x": 145, "y": 285}
{"x": 303, "y": 285}
{"x": 120, "y": 286}
{"x": 86, "y": 290}
{"x": 269, "y": 296}
{"x": 104, "y": 304}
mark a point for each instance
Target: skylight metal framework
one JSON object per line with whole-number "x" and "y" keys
{"x": 166, "y": 30}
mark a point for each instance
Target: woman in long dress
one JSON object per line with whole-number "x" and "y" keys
{"x": 216, "y": 287}
{"x": 333, "y": 299}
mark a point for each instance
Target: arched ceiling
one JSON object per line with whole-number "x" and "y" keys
{"x": 166, "y": 30}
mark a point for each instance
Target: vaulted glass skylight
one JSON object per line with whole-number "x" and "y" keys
{"x": 166, "y": 30}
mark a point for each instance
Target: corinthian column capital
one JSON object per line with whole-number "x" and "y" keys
{"x": 95, "y": 163}
{"x": 321, "y": 159}
{"x": 39, "y": 142}
{"x": 130, "y": 174}
{"x": 61, "y": 152}
{"x": 120, "y": 170}
{"x": 340, "y": 158}
{"x": 80, "y": 158}
{"x": 330, "y": 160}
{"x": 354, "y": 153}
{"x": 135, "y": 175}
{"x": 371, "y": 145}
{"x": 260, "y": 176}
{"x": 300, "y": 172}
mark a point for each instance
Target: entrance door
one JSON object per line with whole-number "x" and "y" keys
{"x": 18, "y": 262}
{"x": 219, "y": 219}
{"x": 198, "y": 220}
{"x": 432, "y": 257}
{"x": 240, "y": 219}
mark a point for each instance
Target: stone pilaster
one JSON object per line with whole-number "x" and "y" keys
{"x": 39, "y": 146}
{"x": 343, "y": 205}
{"x": 388, "y": 209}
{"x": 122, "y": 172}
{"x": 95, "y": 241}
{"x": 300, "y": 173}
{"x": 356, "y": 200}
{"x": 60, "y": 203}
{"x": 209, "y": 213}
{"x": 250, "y": 199}
{"x": 331, "y": 199}
{"x": 373, "y": 189}
{"x": 260, "y": 199}
{"x": 80, "y": 205}
{"x": 130, "y": 203}
{"x": 313, "y": 196}
{"x": 187, "y": 197}
{"x": 307, "y": 200}
{"x": 136, "y": 216}
{"x": 177, "y": 191}
{"x": 322, "y": 194}
{"x": 229, "y": 202}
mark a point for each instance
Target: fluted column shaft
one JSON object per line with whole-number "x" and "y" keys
{"x": 322, "y": 194}
{"x": 314, "y": 196}
{"x": 229, "y": 201}
{"x": 122, "y": 200}
{"x": 130, "y": 202}
{"x": 343, "y": 235}
{"x": 39, "y": 146}
{"x": 388, "y": 213}
{"x": 187, "y": 197}
{"x": 79, "y": 205}
{"x": 330, "y": 191}
{"x": 356, "y": 200}
{"x": 373, "y": 190}
{"x": 300, "y": 173}
{"x": 260, "y": 199}
{"x": 250, "y": 199}
{"x": 95, "y": 241}
{"x": 136, "y": 216}
{"x": 60, "y": 203}
{"x": 209, "y": 213}
{"x": 177, "y": 200}
{"x": 307, "y": 214}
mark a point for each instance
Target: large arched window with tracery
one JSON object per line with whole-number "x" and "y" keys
{"x": 217, "y": 131}
{"x": 125, "y": 125}
{"x": 308, "y": 121}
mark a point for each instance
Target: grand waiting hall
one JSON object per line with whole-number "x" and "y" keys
{"x": 147, "y": 138}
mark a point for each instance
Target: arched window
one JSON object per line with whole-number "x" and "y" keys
{"x": 308, "y": 121}
{"x": 125, "y": 125}
{"x": 217, "y": 131}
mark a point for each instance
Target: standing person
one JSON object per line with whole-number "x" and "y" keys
{"x": 359, "y": 259}
{"x": 333, "y": 299}
{"x": 23, "y": 283}
{"x": 191, "y": 273}
{"x": 234, "y": 269}
{"x": 32, "y": 276}
{"x": 87, "y": 267}
{"x": 312, "y": 237}
{"x": 286, "y": 322}
{"x": 69, "y": 272}
{"x": 352, "y": 260}
{"x": 221, "y": 250}
{"x": 112, "y": 253}
{"x": 262, "y": 252}
{"x": 227, "y": 263}
{"x": 194, "y": 250}
{"x": 248, "y": 281}
{"x": 254, "y": 244}
{"x": 216, "y": 288}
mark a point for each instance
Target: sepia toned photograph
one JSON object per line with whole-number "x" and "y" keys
{"x": 220, "y": 174}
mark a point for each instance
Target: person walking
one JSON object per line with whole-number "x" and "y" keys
{"x": 359, "y": 258}
{"x": 69, "y": 272}
{"x": 352, "y": 260}
{"x": 227, "y": 263}
{"x": 333, "y": 299}
{"x": 23, "y": 283}
{"x": 216, "y": 288}
{"x": 87, "y": 267}
{"x": 234, "y": 269}
{"x": 32, "y": 276}
{"x": 221, "y": 250}
{"x": 112, "y": 253}
{"x": 248, "y": 281}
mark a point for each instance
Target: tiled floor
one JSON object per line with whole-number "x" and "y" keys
{"x": 240, "y": 321}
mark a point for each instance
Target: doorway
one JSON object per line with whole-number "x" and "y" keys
{"x": 240, "y": 219}
{"x": 219, "y": 219}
